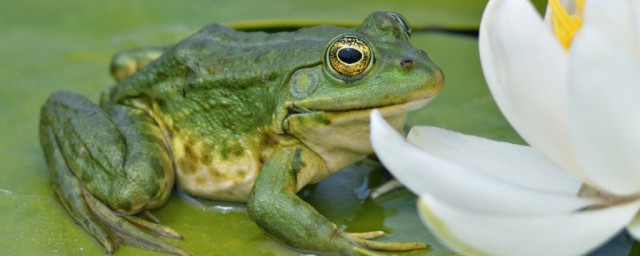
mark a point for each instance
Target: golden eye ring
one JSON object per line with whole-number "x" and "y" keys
{"x": 349, "y": 56}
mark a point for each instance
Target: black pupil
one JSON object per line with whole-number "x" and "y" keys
{"x": 349, "y": 55}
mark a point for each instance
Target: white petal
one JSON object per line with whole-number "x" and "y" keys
{"x": 635, "y": 14}
{"x": 634, "y": 227}
{"x": 507, "y": 162}
{"x": 425, "y": 173}
{"x": 615, "y": 18}
{"x": 474, "y": 233}
{"x": 525, "y": 68}
{"x": 604, "y": 106}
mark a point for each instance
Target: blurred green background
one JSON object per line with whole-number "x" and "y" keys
{"x": 67, "y": 45}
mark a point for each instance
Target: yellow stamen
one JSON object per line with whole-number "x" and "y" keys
{"x": 580, "y": 4}
{"x": 565, "y": 25}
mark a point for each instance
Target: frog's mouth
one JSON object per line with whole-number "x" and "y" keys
{"x": 325, "y": 117}
{"x": 399, "y": 108}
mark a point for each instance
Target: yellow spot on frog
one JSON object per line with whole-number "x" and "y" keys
{"x": 565, "y": 25}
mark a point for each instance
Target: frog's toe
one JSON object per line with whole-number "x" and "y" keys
{"x": 362, "y": 240}
{"x": 395, "y": 246}
{"x": 132, "y": 231}
{"x": 153, "y": 225}
{"x": 385, "y": 188}
{"x": 147, "y": 215}
{"x": 366, "y": 235}
{"x": 364, "y": 252}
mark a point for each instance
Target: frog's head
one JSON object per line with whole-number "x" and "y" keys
{"x": 373, "y": 66}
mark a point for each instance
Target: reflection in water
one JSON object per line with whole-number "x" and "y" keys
{"x": 344, "y": 197}
{"x": 211, "y": 205}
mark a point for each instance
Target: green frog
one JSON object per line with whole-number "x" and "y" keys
{"x": 247, "y": 117}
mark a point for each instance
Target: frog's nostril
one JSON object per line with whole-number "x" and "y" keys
{"x": 407, "y": 63}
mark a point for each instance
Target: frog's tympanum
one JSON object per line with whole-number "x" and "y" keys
{"x": 234, "y": 116}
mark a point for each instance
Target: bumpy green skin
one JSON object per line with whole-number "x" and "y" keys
{"x": 248, "y": 117}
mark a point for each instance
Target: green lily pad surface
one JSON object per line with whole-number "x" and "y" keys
{"x": 67, "y": 45}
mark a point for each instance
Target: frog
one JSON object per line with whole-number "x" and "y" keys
{"x": 247, "y": 117}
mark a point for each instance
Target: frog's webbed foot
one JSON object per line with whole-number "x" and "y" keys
{"x": 129, "y": 230}
{"x": 110, "y": 228}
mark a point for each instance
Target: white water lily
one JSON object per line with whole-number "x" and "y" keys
{"x": 575, "y": 99}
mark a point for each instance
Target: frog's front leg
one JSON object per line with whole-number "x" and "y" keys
{"x": 107, "y": 165}
{"x": 275, "y": 207}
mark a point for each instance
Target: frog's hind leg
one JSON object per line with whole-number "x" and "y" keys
{"x": 127, "y": 62}
{"x": 106, "y": 166}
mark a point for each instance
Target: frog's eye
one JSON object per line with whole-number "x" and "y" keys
{"x": 405, "y": 24}
{"x": 349, "y": 56}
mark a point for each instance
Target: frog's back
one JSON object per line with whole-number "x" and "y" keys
{"x": 217, "y": 53}
{"x": 214, "y": 94}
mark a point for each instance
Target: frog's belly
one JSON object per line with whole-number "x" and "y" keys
{"x": 213, "y": 177}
